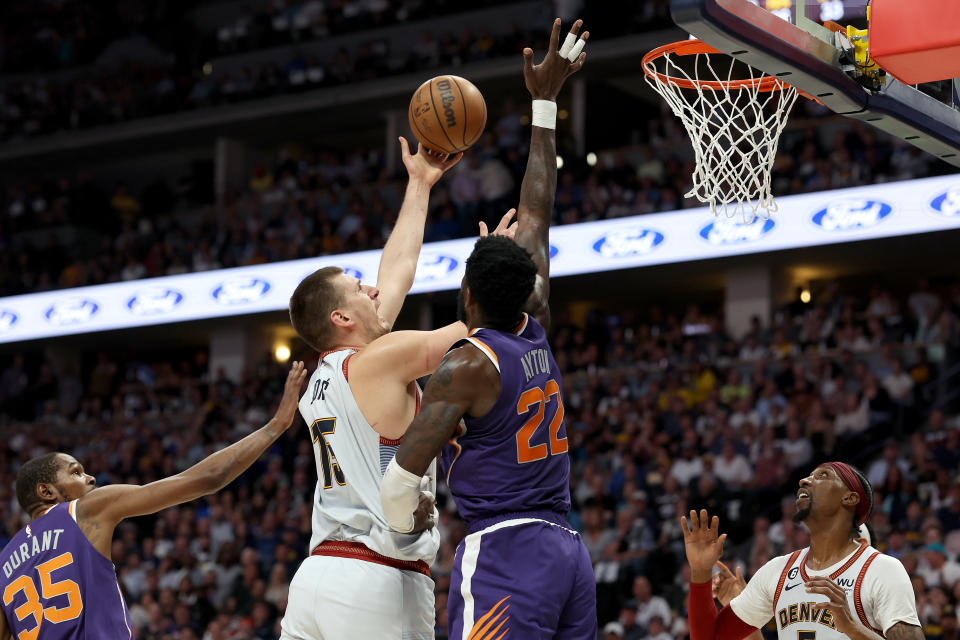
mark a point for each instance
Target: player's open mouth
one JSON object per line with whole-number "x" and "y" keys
{"x": 803, "y": 493}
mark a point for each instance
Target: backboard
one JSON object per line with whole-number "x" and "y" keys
{"x": 785, "y": 38}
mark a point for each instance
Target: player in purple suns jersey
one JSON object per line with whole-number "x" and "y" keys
{"x": 57, "y": 581}
{"x": 494, "y": 409}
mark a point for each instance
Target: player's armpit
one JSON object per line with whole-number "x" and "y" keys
{"x": 904, "y": 631}
{"x": 406, "y": 355}
{"x": 464, "y": 383}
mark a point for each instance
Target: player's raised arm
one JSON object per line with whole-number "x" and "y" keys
{"x": 99, "y": 511}
{"x": 704, "y": 546}
{"x": 464, "y": 383}
{"x": 398, "y": 264}
{"x": 539, "y": 187}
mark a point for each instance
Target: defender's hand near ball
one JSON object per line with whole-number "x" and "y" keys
{"x": 545, "y": 80}
{"x": 425, "y": 165}
{"x": 504, "y": 228}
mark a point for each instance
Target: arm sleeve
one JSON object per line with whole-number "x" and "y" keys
{"x": 889, "y": 587}
{"x": 706, "y": 624}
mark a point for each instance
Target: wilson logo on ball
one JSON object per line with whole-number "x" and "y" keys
{"x": 446, "y": 99}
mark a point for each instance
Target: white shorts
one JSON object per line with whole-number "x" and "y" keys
{"x": 333, "y": 598}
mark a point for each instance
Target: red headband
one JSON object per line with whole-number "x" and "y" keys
{"x": 850, "y": 478}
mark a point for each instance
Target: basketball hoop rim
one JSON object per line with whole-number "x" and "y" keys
{"x": 694, "y": 46}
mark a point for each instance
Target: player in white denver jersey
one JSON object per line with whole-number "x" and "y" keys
{"x": 363, "y": 580}
{"x": 839, "y": 587}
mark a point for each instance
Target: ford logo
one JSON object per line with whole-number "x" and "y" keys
{"x": 851, "y": 214}
{"x": 154, "y": 301}
{"x": 948, "y": 203}
{"x": 553, "y": 251}
{"x": 435, "y": 266}
{"x": 735, "y": 231}
{"x": 71, "y": 311}
{"x": 240, "y": 290}
{"x": 628, "y": 242}
{"x": 7, "y": 320}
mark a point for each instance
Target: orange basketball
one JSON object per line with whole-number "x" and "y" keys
{"x": 447, "y": 114}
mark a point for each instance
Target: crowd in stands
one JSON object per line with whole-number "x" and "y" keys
{"x": 327, "y": 203}
{"x": 664, "y": 412}
{"x": 182, "y": 77}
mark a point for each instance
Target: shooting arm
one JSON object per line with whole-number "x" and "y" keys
{"x": 398, "y": 264}
{"x": 536, "y": 208}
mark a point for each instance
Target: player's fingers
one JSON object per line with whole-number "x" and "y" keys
{"x": 585, "y": 35}
{"x": 575, "y": 29}
{"x": 576, "y": 66}
{"x": 404, "y": 147}
{"x": 715, "y": 523}
{"x": 554, "y": 37}
{"x": 704, "y": 520}
{"x": 684, "y": 526}
{"x": 483, "y": 229}
{"x": 740, "y": 575}
{"x": 452, "y": 160}
{"x": 694, "y": 520}
{"x": 505, "y": 220}
{"x": 527, "y": 60}
{"x": 725, "y": 569}
{"x": 825, "y": 583}
{"x": 721, "y": 540}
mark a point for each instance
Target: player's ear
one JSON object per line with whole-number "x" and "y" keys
{"x": 851, "y": 499}
{"x": 47, "y": 491}
{"x": 340, "y": 318}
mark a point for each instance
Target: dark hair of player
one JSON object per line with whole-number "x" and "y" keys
{"x": 36, "y": 470}
{"x": 868, "y": 489}
{"x": 501, "y": 276}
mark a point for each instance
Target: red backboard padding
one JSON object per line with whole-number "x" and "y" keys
{"x": 916, "y": 41}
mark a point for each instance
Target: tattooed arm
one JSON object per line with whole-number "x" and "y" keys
{"x": 904, "y": 631}
{"x": 539, "y": 187}
{"x": 465, "y": 383}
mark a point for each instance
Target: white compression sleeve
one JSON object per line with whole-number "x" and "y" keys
{"x": 399, "y": 497}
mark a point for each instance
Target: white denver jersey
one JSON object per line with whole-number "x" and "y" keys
{"x": 351, "y": 459}
{"x": 878, "y": 591}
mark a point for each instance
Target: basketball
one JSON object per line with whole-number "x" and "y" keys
{"x": 447, "y": 114}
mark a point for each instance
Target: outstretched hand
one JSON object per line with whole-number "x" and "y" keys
{"x": 504, "y": 229}
{"x": 291, "y": 395}
{"x": 704, "y": 544}
{"x": 425, "y": 165}
{"x": 545, "y": 80}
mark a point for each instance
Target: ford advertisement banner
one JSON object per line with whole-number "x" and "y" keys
{"x": 832, "y": 217}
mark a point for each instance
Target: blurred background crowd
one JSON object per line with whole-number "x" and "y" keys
{"x": 664, "y": 412}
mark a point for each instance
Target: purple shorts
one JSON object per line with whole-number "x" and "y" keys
{"x": 524, "y": 575}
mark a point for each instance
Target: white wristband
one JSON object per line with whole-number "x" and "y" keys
{"x": 544, "y": 114}
{"x": 399, "y": 497}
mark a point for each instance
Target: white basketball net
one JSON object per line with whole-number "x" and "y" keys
{"x": 734, "y": 129}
